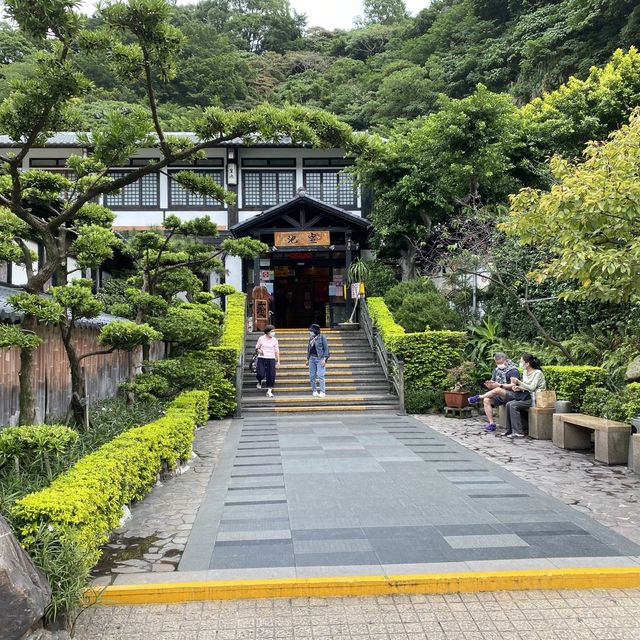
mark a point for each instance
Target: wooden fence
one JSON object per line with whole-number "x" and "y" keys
{"x": 103, "y": 373}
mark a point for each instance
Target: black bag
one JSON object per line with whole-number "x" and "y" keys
{"x": 253, "y": 364}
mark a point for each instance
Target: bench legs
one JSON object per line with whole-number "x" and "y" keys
{"x": 541, "y": 423}
{"x": 612, "y": 447}
{"x": 568, "y": 436}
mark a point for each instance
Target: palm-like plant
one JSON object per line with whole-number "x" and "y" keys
{"x": 358, "y": 272}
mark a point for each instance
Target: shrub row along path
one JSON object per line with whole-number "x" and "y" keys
{"x": 374, "y": 494}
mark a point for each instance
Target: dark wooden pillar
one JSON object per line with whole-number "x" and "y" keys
{"x": 347, "y": 262}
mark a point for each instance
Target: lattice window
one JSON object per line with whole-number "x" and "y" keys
{"x": 332, "y": 187}
{"x": 267, "y": 188}
{"x": 180, "y": 197}
{"x": 141, "y": 193}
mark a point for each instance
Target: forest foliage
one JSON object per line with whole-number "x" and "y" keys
{"x": 388, "y": 67}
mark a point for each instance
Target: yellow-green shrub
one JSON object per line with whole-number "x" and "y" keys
{"x": 383, "y": 320}
{"x": 85, "y": 503}
{"x": 233, "y": 329}
{"x": 426, "y": 355}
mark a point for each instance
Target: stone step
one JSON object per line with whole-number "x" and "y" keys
{"x": 252, "y": 392}
{"x": 379, "y": 408}
{"x": 307, "y": 399}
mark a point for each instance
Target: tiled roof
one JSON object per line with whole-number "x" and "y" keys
{"x": 70, "y": 139}
{"x": 8, "y": 313}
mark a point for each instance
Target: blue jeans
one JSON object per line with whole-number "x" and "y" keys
{"x": 316, "y": 370}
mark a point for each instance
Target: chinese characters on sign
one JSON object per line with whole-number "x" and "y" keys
{"x": 311, "y": 238}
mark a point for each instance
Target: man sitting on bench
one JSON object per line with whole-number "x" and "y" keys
{"x": 498, "y": 386}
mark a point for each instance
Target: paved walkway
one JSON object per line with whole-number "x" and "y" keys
{"x": 522, "y": 615}
{"x": 364, "y": 495}
{"x": 608, "y": 494}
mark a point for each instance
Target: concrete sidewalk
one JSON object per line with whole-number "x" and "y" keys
{"x": 522, "y": 615}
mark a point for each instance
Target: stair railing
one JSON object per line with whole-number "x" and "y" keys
{"x": 392, "y": 366}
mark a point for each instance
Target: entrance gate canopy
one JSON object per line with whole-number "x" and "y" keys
{"x": 311, "y": 245}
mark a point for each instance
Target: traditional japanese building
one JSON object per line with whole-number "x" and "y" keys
{"x": 302, "y": 202}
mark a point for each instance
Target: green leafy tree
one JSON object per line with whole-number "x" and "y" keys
{"x": 465, "y": 156}
{"x": 588, "y": 221}
{"x": 384, "y": 11}
{"x": 137, "y": 42}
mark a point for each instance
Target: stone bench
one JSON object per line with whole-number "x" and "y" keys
{"x": 540, "y": 421}
{"x": 573, "y": 431}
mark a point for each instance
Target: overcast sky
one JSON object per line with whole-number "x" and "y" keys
{"x": 330, "y": 14}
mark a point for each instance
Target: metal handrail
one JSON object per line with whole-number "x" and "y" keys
{"x": 392, "y": 366}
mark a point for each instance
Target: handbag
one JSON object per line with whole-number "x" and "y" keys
{"x": 253, "y": 363}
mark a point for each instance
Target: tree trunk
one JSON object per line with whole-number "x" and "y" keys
{"x": 78, "y": 391}
{"x": 408, "y": 262}
{"x": 28, "y": 376}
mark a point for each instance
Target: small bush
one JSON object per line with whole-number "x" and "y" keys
{"x": 190, "y": 325}
{"x": 571, "y": 382}
{"x": 418, "y": 306}
{"x": 40, "y": 443}
{"x": 419, "y": 399}
{"x": 147, "y": 386}
{"x": 623, "y": 405}
{"x": 203, "y": 370}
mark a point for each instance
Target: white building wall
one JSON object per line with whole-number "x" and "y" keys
{"x": 233, "y": 265}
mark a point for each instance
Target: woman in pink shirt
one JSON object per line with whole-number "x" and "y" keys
{"x": 268, "y": 359}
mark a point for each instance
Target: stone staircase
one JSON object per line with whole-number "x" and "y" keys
{"x": 355, "y": 381}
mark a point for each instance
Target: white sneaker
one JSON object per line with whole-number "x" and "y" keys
{"x": 259, "y": 385}
{"x": 322, "y": 394}
{"x": 270, "y": 394}
{"x": 315, "y": 394}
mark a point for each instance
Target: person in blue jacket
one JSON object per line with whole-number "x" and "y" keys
{"x": 317, "y": 358}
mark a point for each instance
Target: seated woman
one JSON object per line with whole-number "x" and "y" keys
{"x": 532, "y": 381}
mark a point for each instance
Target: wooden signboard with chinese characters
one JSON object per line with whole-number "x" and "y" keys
{"x": 260, "y": 297}
{"x": 309, "y": 238}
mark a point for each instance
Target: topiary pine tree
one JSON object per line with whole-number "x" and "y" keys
{"x": 136, "y": 41}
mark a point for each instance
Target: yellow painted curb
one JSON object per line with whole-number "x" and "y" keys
{"x": 533, "y": 579}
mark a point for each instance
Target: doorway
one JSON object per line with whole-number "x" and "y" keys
{"x": 301, "y": 295}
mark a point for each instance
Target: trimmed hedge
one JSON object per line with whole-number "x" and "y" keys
{"x": 233, "y": 329}
{"x": 426, "y": 355}
{"x": 85, "y": 503}
{"x": 571, "y": 382}
{"x": 383, "y": 320}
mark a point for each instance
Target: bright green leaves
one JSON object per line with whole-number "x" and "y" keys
{"x": 244, "y": 247}
{"x": 127, "y": 335}
{"x": 38, "y": 184}
{"x": 45, "y": 309}
{"x": 11, "y": 229}
{"x": 147, "y": 21}
{"x": 94, "y": 214}
{"x": 588, "y": 221}
{"x": 39, "y": 103}
{"x": 93, "y": 245}
{"x": 40, "y": 18}
{"x": 77, "y": 299}
{"x": 204, "y": 185}
{"x": 11, "y": 335}
{"x": 118, "y": 135}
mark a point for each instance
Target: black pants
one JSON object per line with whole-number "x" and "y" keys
{"x": 266, "y": 369}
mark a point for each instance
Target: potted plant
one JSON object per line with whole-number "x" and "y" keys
{"x": 459, "y": 381}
